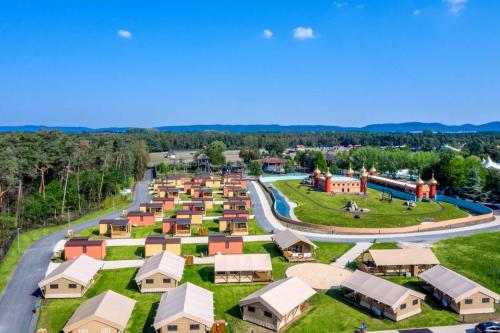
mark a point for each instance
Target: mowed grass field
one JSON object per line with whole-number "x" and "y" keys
{"x": 322, "y": 208}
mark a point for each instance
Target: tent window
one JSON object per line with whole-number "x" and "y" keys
{"x": 172, "y": 328}
{"x": 194, "y": 327}
{"x": 167, "y": 280}
{"x": 402, "y": 306}
{"x": 468, "y": 301}
{"x": 485, "y": 300}
{"x": 415, "y": 301}
{"x": 268, "y": 314}
{"x": 251, "y": 309}
{"x": 72, "y": 286}
{"x": 54, "y": 286}
{"x": 150, "y": 281}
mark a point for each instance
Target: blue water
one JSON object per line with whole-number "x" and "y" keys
{"x": 272, "y": 179}
{"x": 280, "y": 203}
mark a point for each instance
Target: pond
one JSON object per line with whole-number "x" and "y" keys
{"x": 281, "y": 205}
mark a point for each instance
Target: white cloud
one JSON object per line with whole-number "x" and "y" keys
{"x": 417, "y": 12}
{"x": 340, "y": 4}
{"x": 268, "y": 34}
{"x": 456, "y": 6}
{"x": 125, "y": 34}
{"x": 303, "y": 33}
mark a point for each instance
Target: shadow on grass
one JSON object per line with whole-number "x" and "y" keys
{"x": 148, "y": 325}
{"x": 271, "y": 249}
{"x": 206, "y": 274}
{"x": 235, "y": 312}
{"x": 139, "y": 252}
{"x": 132, "y": 285}
{"x": 202, "y": 248}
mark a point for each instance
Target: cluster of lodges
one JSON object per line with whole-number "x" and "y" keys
{"x": 186, "y": 307}
{"x": 384, "y": 298}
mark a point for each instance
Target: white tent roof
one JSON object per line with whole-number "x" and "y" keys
{"x": 185, "y": 301}
{"x": 403, "y": 257}
{"x": 379, "y": 289}
{"x": 281, "y": 296}
{"x": 287, "y": 238}
{"x": 453, "y": 284}
{"x": 80, "y": 270}
{"x": 488, "y": 163}
{"x": 243, "y": 262}
{"x": 164, "y": 262}
{"x": 109, "y": 308}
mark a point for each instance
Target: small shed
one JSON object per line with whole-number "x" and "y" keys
{"x": 115, "y": 228}
{"x": 157, "y": 243}
{"x": 222, "y": 244}
{"x": 237, "y": 226}
{"x": 196, "y": 218}
{"x": 141, "y": 219}
{"x": 177, "y": 226}
{"x": 76, "y": 246}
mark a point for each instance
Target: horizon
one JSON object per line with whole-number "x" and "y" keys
{"x": 345, "y": 63}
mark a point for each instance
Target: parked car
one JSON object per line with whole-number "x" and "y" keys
{"x": 487, "y": 327}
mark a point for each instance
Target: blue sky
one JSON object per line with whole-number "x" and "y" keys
{"x": 149, "y": 63}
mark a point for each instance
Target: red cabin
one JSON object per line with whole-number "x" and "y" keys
{"x": 77, "y": 246}
{"x": 222, "y": 244}
{"x": 168, "y": 203}
{"x": 141, "y": 219}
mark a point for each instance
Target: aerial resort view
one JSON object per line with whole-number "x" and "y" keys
{"x": 249, "y": 166}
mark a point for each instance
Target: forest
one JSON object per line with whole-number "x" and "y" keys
{"x": 47, "y": 176}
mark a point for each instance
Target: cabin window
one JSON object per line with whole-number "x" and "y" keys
{"x": 268, "y": 314}
{"x": 167, "y": 280}
{"x": 194, "y": 327}
{"x": 251, "y": 309}
{"x": 468, "y": 301}
{"x": 150, "y": 281}
{"x": 233, "y": 273}
{"x": 72, "y": 286}
{"x": 485, "y": 300}
{"x": 402, "y": 306}
{"x": 54, "y": 286}
{"x": 84, "y": 249}
{"x": 415, "y": 302}
{"x": 172, "y": 328}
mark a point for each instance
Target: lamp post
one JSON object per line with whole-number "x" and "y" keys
{"x": 18, "y": 241}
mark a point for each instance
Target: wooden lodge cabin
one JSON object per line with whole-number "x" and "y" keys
{"x": 167, "y": 203}
{"x": 273, "y": 164}
{"x": 382, "y": 297}
{"x": 71, "y": 279}
{"x": 179, "y": 227}
{"x": 235, "y": 213}
{"x": 160, "y": 273}
{"x": 397, "y": 261}
{"x": 278, "y": 304}
{"x": 194, "y": 206}
{"x": 243, "y": 268}
{"x": 234, "y": 205}
{"x": 76, "y": 246}
{"x": 107, "y": 312}
{"x": 115, "y": 228}
{"x": 236, "y": 226}
{"x": 157, "y": 243}
{"x": 168, "y": 192}
{"x": 459, "y": 293}
{"x": 294, "y": 246}
{"x": 209, "y": 202}
{"x": 141, "y": 219}
{"x": 222, "y": 244}
{"x": 187, "y": 308}
{"x": 201, "y": 192}
{"x": 151, "y": 207}
{"x": 196, "y": 218}
{"x": 247, "y": 201}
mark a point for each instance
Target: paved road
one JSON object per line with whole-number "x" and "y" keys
{"x": 267, "y": 221}
{"x": 21, "y": 294}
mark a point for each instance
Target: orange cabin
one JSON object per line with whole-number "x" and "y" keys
{"x": 168, "y": 203}
{"x": 77, "y": 246}
{"x": 222, "y": 244}
{"x": 141, "y": 219}
{"x": 235, "y": 213}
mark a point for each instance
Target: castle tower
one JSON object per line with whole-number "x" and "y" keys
{"x": 350, "y": 171}
{"x": 363, "y": 184}
{"x": 420, "y": 189}
{"x": 373, "y": 171}
{"x": 328, "y": 181}
{"x": 316, "y": 176}
{"x": 432, "y": 187}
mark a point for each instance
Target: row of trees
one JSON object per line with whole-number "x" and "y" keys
{"x": 45, "y": 174}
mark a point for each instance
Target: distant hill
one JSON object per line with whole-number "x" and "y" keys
{"x": 400, "y": 127}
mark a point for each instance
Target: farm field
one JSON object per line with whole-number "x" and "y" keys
{"x": 321, "y": 208}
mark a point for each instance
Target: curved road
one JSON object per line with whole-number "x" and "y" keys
{"x": 265, "y": 218}
{"x": 21, "y": 294}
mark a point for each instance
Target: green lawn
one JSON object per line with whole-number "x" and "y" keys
{"x": 124, "y": 252}
{"x": 384, "y": 246}
{"x": 322, "y": 208}
{"x": 12, "y": 257}
{"x": 476, "y": 256}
